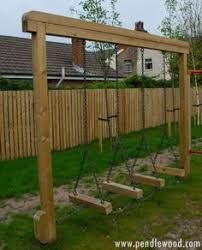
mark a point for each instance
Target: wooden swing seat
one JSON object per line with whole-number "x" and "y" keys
{"x": 93, "y": 202}
{"x": 122, "y": 189}
{"x": 171, "y": 171}
{"x": 148, "y": 180}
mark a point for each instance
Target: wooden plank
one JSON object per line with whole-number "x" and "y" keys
{"x": 32, "y": 130}
{"x": 20, "y": 128}
{"x": 64, "y": 120}
{"x": 67, "y": 117}
{"x": 42, "y": 130}
{"x": 6, "y": 125}
{"x": 122, "y": 189}
{"x": 148, "y": 180}
{"x": 70, "y": 27}
{"x": 50, "y": 118}
{"x": 170, "y": 171}
{"x": 71, "y": 137}
{"x": 24, "y": 136}
{"x": 61, "y": 124}
{"x": 53, "y": 102}
{"x": 15, "y": 125}
{"x": 2, "y": 138}
{"x": 10, "y": 124}
{"x": 79, "y": 116}
{"x": 106, "y": 207}
{"x": 184, "y": 126}
{"x": 27, "y": 113}
{"x": 57, "y": 120}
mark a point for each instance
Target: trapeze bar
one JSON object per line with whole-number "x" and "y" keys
{"x": 105, "y": 207}
{"x": 122, "y": 189}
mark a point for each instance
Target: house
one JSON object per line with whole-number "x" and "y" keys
{"x": 130, "y": 60}
{"x": 65, "y": 61}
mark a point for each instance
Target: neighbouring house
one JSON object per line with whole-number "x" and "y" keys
{"x": 65, "y": 61}
{"x": 130, "y": 61}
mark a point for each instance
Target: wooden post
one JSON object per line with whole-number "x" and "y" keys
{"x": 184, "y": 121}
{"x": 44, "y": 221}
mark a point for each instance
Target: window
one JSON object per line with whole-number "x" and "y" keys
{"x": 148, "y": 64}
{"x": 128, "y": 66}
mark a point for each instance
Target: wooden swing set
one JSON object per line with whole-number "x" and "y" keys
{"x": 42, "y": 24}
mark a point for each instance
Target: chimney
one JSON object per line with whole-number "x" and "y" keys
{"x": 78, "y": 52}
{"x": 139, "y": 26}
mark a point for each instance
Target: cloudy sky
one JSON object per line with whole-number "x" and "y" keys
{"x": 11, "y": 11}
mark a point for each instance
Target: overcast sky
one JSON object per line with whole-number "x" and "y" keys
{"x": 11, "y": 11}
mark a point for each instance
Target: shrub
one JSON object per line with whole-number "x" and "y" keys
{"x": 8, "y": 84}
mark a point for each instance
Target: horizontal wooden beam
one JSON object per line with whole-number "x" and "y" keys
{"x": 196, "y": 152}
{"x": 105, "y": 207}
{"x": 170, "y": 171}
{"x": 70, "y": 27}
{"x": 148, "y": 180}
{"x": 122, "y": 189}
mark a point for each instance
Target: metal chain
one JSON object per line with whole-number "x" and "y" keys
{"x": 85, "y": 129}
{"x": 85, "y": 121}
{"x": 143, "y": 141}
{"x": 118, "y": 148}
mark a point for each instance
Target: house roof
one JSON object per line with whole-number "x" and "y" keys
{"x": 16, "y": 59}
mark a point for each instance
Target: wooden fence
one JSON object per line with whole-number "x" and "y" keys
{"x": 17, "y": 130}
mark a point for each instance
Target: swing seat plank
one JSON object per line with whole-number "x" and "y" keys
{"x": 148, "y": 180}
{"x": 170, "y": 171}
{"x": 93, "y": 202}
{"x": 122, "y": 189}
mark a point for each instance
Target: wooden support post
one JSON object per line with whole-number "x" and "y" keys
{"x": 184, "y": 121}
{"x": 44, "y": 221}
{"x": 122, "y": 189}
{"x": 106, "y": 207}
{"x": 149, "y": 180}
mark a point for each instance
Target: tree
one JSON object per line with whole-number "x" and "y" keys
{"x": 103, "y": 12}
{"x": 184, "y": 21}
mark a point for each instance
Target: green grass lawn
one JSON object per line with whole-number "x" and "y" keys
{"x": 86, "y": 229}
{"x": 20, "y": 176}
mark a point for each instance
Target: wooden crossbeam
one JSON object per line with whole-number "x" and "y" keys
{"x": 70, "y": 27}
{"x": 196, "y": 152}
{"x": 148, "y": 180}
{"x": 93, "y": 202}
{"x": 170, "y": 171}
{"x": 122, "y": 189}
